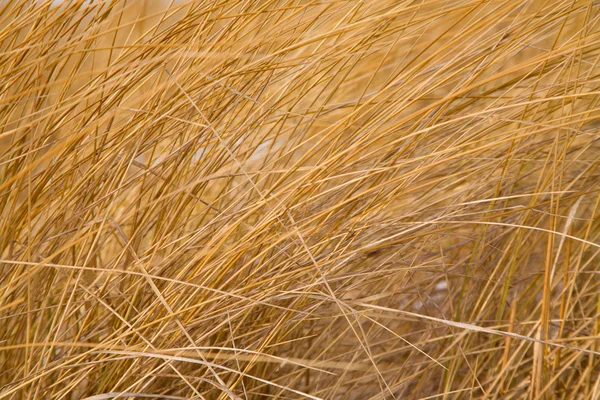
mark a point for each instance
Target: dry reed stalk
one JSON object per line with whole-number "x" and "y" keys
{"x": 299, "y": 199}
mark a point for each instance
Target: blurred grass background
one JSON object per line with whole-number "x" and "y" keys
{"x": 299, "y": 199}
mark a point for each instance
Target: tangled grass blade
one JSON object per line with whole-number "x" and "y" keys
{"x": 338, "y": 199}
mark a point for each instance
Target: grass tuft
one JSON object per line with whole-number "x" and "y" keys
{"x": 300, "y": 199}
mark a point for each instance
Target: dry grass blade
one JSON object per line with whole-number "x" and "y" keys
{"x": 299, "y": 199}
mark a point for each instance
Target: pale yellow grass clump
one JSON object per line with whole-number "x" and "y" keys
{"x": 300, "y": 199}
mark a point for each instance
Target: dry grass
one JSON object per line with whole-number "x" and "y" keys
{"x": 300, "y": 199}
